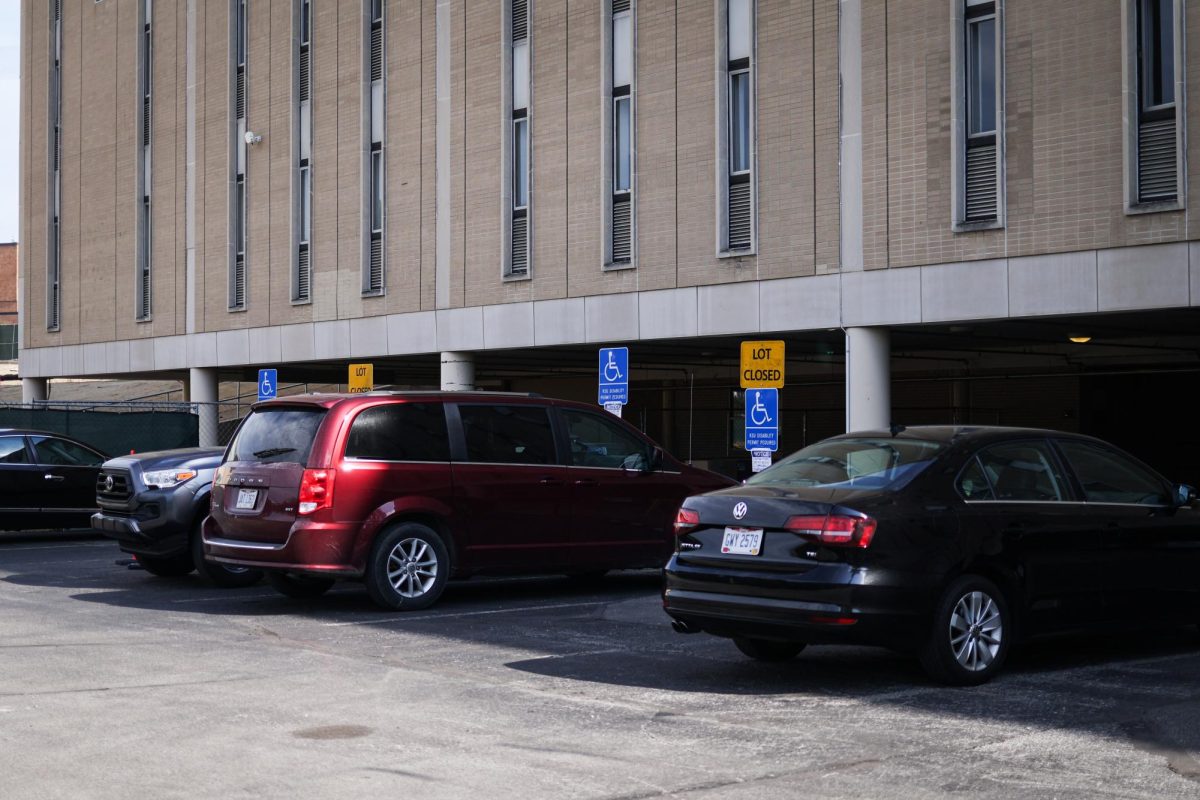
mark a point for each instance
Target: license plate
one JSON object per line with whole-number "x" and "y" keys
{"x": 247, "y": 498}
{"x": 742, "y": 541}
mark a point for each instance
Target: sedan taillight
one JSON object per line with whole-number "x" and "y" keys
{"x": 835, "y": 530}
{"x": 686, "y": 520}
{"x": 316, "y": 490}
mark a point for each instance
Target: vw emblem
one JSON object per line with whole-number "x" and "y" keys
{"x": 739, "y": 510}
{"x": 108, "y": 483}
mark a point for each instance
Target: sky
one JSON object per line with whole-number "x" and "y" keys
{"x": 10, "y": 111}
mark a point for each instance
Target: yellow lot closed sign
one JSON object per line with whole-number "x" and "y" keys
{"x": 762, "y": 365}
{"x": 362, "y": 378}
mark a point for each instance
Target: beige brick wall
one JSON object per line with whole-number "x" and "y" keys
{"x": 8, "y": 282}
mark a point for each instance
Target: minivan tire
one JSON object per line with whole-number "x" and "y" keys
{"x": 226, "y": 576}
{"x": 769, "y": 651}
{"x": 971, "y": 633}
{"x": 419, "y": 562}
{"x": 167, "y": 566}
{"x": 299, "y": 587}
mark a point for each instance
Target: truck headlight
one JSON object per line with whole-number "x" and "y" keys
{"x": 165, "y": 478}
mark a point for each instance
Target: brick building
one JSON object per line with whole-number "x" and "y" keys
{"x": 926, "y": 199}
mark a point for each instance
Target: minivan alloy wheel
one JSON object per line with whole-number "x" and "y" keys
{"x": 976, "y": 630}
{"x": 412, "y": 567}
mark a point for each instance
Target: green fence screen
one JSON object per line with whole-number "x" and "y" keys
{"x": 113, "y": 433}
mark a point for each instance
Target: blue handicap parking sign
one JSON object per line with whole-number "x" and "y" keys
{"x": 268, "y": 385}
{"x": 614, "y": 375}
{"x": 762, "y": 419}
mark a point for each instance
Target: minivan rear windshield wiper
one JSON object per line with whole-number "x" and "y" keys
{"x": 274, "y": 451}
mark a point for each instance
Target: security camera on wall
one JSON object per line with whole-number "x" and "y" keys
{"x": 252, "y": 138}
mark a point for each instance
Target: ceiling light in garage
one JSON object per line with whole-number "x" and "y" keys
{"x": 1079, "y": 338}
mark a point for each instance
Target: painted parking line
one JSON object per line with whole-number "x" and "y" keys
{"x": 74, "y": 546}
{"x": 461, "y": 614}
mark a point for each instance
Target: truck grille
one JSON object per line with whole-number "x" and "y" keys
{"x": 117, "y": 490}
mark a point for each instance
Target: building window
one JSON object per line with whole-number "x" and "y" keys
{"x": 979, "y": 103}
{"x": 519, "y": 155}
{"x": 736, "y": 190}
{"x": 302, "y": 269}
{"x": 142, "y": 302}
{"x": 373, "y": 271}
{"x": 1158, "y": 139}
{"x": 619, "y": 116}
{"x": 237, "y": 269}
{"x": 53, "y": 263}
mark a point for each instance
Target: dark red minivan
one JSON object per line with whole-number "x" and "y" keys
{"x": 406, "y": 490}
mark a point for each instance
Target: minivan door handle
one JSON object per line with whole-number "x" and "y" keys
{"x": 548, "y": 481}
{"x": 585, "y": 482}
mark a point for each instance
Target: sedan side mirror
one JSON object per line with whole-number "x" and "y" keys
{"x": 1184, "y": 495}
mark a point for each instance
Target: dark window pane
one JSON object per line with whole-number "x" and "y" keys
{"x": 520, "y": 163}
{"x": 622, "y": 145}
{"x": 400, "y": 432}
{"x": 305, "y": 205}
{"x": 305, "y": 12}
{"x": 981, "y": 76}
{"x": 600, "y": 442}
{"x": 277, "y": 434}
{"x": 1109, "y": 477}
{"x": 377, "y": 191}
{"x": 508, "y": 434}
{"x": 973, "y": 484}
{"x": 739, "y": 122}
{"x": 1022, "y": 471}
{"x": 60, "y": 452}
{"x": 12, "y": 450}
{"x": 1156, "y": 23}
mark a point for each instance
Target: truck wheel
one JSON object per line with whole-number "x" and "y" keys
{"x": 301, "y": 587}
{"x": 167, "y": 566}
{"x": 227, "y": 576}
{"x": 408, "y": 568}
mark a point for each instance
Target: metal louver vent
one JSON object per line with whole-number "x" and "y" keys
{"x": 375, "y": 268}
{"x": 621, "y": 245}
{"x": 57, "y": 146}
{"x": 146, "y": 121}
{"x": 303, "y": 274}
{"x": 1157, "y": 179}
{"x": 239, "y": 283}
{"x": 377, "y": 53}
{"x": 57, "y": 10}
{"x": 981, "y": 183}
{"x": 739, "y": 216}
{"x": 520, "y": 20}
{"x": 620, "y": 5}
{"x": 304, "y": 69}
{"x": 52, "y": 312}
{"x": 240, "y": 93}
{"x": 144, "y": 293}
{"x": 519, "y": 264}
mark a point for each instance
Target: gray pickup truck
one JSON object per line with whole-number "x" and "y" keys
{"x": 154, "y": 503}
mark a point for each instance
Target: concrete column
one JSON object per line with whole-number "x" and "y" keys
{"x": 868, "y": 379}
{"x": 458, "y": 372}
{"x": 33, "y": 389}
{"x": 202, "y": 388}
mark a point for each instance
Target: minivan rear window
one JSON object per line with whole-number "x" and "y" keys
{"x": 400, "y": 432}
{"x": 852, "y": 464}
{"x": 279, "y": 433}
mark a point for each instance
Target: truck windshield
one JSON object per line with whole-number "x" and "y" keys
{"x": 279, "y": 433}
{"x": 852, "y": 464}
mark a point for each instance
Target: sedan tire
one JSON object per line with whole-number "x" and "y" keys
{"x": 768, "y": 650}
{"x": 971, "y": 633}
{"x": 408, "y": 567}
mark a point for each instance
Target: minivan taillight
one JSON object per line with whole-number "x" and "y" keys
{"x": 316, "y": 490}
{"x": 686, "y": 520}
{"x": 834, "y": 529}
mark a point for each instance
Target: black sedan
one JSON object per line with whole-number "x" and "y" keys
{"x": 948, "y": 542}
{"x": 46, "y": 480}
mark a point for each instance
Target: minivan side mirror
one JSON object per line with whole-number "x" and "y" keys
{"x": 1184, "y": 495}
{"x": 640, "y": 464}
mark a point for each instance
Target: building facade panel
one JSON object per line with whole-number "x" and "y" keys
{"x": 548, "y": 119}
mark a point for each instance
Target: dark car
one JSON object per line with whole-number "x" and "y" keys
{"x": 405, "y": 490}
{"x": 153, "y": 505}
{"x": 949, "y": 542}
{"x": 46, "y": 480}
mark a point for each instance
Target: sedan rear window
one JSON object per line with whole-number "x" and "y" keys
{"x": 852, "y": 464}
{"x": 277, "y": 434}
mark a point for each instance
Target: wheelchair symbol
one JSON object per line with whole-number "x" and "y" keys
{"x": 612, "y": 373}
{"x": 266, "y": 387}
{"x": 758, "y": 412}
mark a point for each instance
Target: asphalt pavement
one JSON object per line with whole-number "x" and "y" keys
{"x": 117, "y": 684}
